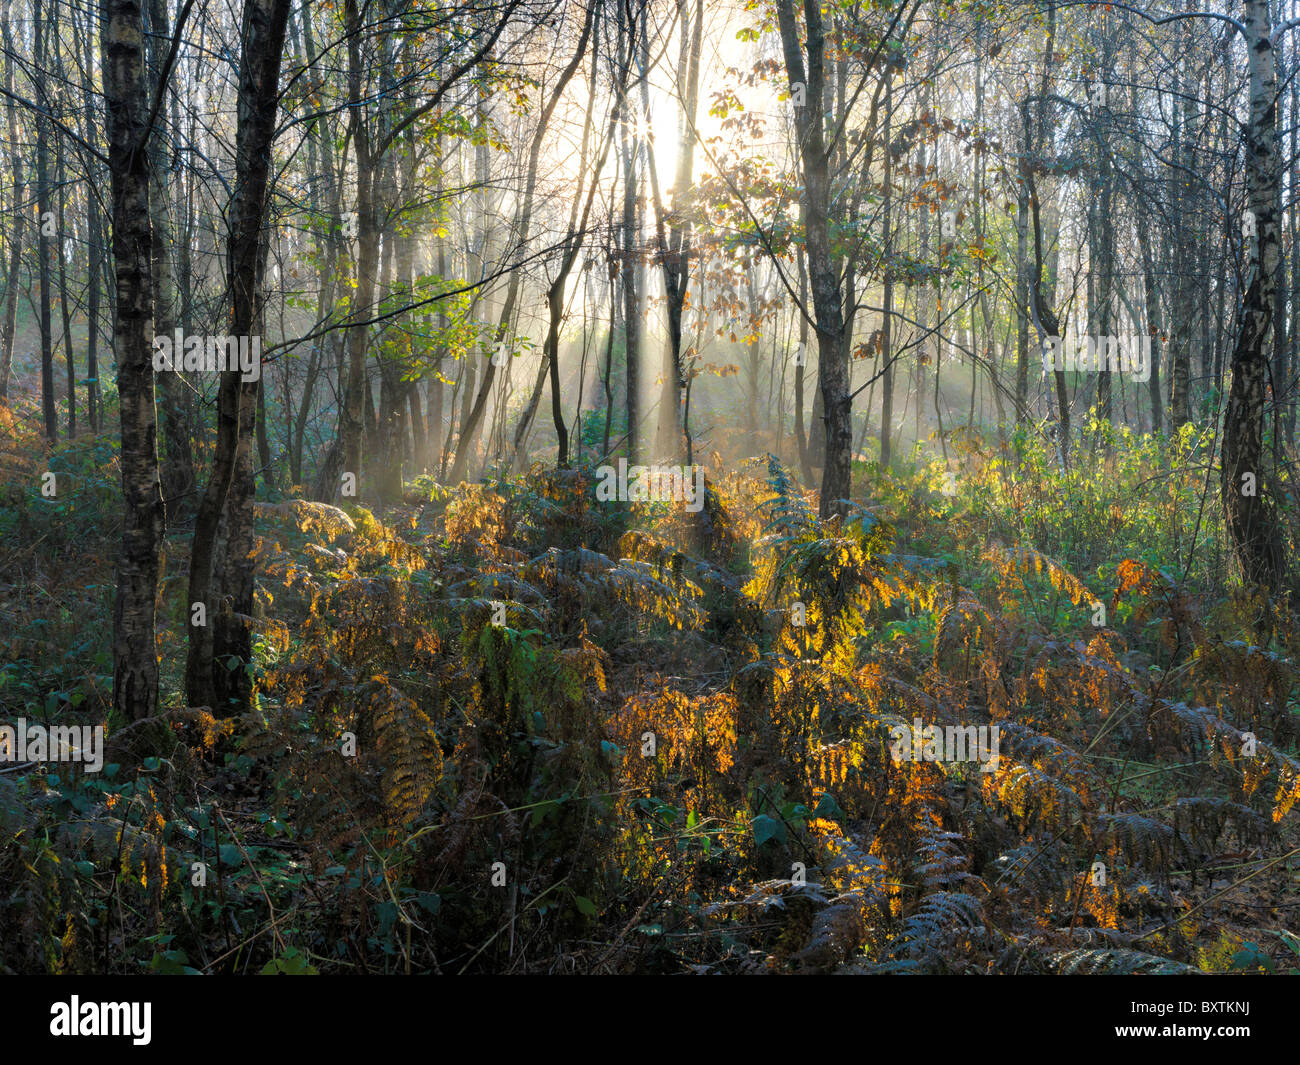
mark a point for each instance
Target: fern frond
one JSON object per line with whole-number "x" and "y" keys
{"x": 1115, "y": 962}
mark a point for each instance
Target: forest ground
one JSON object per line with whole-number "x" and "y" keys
{"x": 506, "y": 728}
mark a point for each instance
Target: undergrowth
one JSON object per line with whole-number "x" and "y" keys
{"x": 508, "y": 729}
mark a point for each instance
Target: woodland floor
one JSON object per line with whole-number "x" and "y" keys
{"x": 501, "y": 812}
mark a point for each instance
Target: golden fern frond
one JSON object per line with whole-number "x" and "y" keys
{"x": 308, "y": 516}
{"x": 1024, "y": 561}
{"x": 407, "y": 743}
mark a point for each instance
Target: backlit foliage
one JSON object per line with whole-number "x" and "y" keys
{"x": 675, "y": 732}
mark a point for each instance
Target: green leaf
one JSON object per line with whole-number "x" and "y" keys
{"x": 1291, "y": 940}
{"x": 291, "y": 963}
{"x": 172, "y": 963}
{"x": 585, "y": 905}
{"x": 544, "y": 809}
{"x": 387, "y": 912}
{"x": 1252, "y": 957}
{"x": 828, "y": 808}
{"x": 766, "y": 828}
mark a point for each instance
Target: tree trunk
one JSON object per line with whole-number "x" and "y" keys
{"x": 1251, "y": 522}
{"x": 48, "y": 238}
{"x": 631, "y": 249}
{"x": 9, "y": 315}
{"x": 94, "y": 246}
{"x": 135, "y": 650}
{"x": 886, "y": 347}
{"x": 474, "y": 422}
{"x": 178, "y": 475}
{"x": 1180, "y": 358}
{"x": 1154, "y": 327}
{"x": 64, "y": 307}
{"x": 262, "y": 34}
{"x": 823, "y": 275}
{"x": 675, "y": 246}
{"x": 1022, "y": 299}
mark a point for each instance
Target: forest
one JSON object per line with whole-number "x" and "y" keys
{"x": 649, "y": 487}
